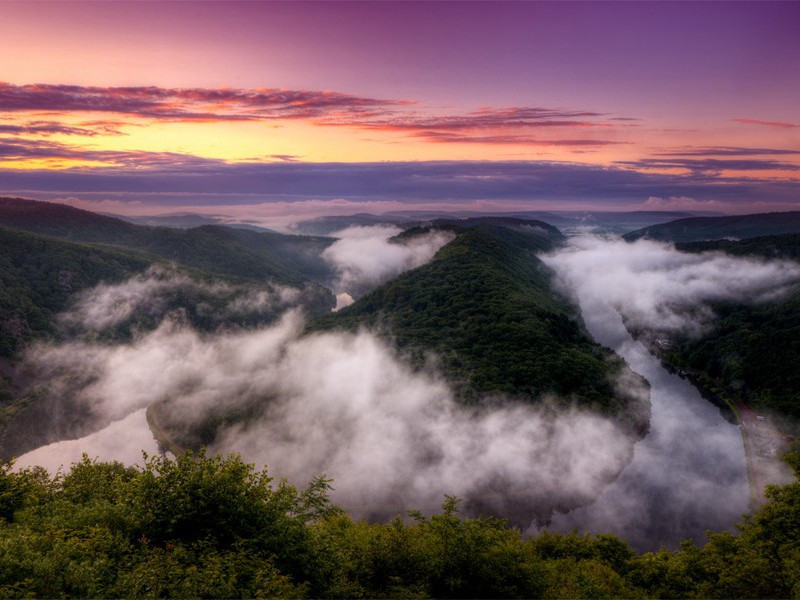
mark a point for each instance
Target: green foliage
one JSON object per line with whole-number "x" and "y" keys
{"x": 217, "y": 249}
{"x": 38, "y": 275}
{"x": 753, "y": 349}
{"x": 201, "y": 526}
{"x": 486, "y": 306}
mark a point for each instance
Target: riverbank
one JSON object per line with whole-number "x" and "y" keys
{"x": 764, "y": 443}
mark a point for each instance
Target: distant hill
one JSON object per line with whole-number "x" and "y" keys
{"x": 39, "y": 275}
{"x": 186, "y": 221}
{"x": 177, "y": 220}
{"x": 213, "y": 248}
{"x": 696, "y": 229}
{"x": 770, "y": 246}
{"x": 567, "y": 221}
{"x": 752, "y": 350}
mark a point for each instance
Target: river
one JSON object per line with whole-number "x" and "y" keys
{"x": 688, "y": 474}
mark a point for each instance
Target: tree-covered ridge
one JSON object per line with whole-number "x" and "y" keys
{"x": 289, "y": 260}
{"x": 213, "y": 527}
{"x": 768, "y": 246}
{"x": 752, "y": 349}
{"x": 41, "y": 278}
{"x": 694, "y": 229}
{"x": 39, "y": 275}
{"x": 486, "y": 308}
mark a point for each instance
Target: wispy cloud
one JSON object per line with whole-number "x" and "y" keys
{"x": 452, "y": 137}
{"x": 47, "y": 128}
{"x": 781, "y": 124}
{"x": 725, "y": 151}
{"x": 488, "y": 125}
{"x": 710, "y": 165}
{"x": 492, "y": 125}
{"x": 190, "y": 104}
{"x": 22, "y": 149}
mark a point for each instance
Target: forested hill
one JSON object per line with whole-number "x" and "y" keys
{"x": 697, "y": 229}
{"x": 753, "y": 348}
{"x": 39, "y": 275}
{"x": 485, "y": 305}
{"x": 290, "y": 260}
{"x": 769, "y": 246}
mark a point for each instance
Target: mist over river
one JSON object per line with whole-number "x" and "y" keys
{"x": 689, "y": 473}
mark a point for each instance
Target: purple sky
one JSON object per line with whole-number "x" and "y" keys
{"x": 676, "y": 104}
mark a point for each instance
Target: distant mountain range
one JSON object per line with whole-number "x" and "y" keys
{"x": 566, "y": 221}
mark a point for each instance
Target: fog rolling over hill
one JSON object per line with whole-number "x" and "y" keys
{"x": 62, "y": 291}
{"x": 497, "y": 393}
{"x": 484, "y": 384}
{"x": 750, "y": 351}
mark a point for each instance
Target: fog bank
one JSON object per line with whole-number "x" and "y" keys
{"x": 654, "y": 286}
{"x": 345, "y": 405}
{"x": 364, "y": 257}
{"x": 689, "y": 474}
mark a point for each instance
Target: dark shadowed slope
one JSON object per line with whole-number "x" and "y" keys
{"x": 698, "y": 229}
{"x": 751, "y": 350}
{"x": 39, "y": 275}
{"x": 213, "y": 248}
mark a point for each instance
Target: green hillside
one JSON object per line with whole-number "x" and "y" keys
{"x": 290, "y": 260}
{"x": 754, "y": 349}
{"x": 39, "y": 275}
{"x": 770, "y": 246}
{"x": 40, "y": 278}
{"x": 697, "y": 229}
{"x": 204, "y": 527}
{"x": 486, "y": 307}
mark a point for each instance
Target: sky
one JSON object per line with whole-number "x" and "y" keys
{"x": 261, "y": 108}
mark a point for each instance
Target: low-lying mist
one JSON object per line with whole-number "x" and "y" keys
{"x": 342, "y": 404}
{"x": 654, "y": 286}
{"x": 689, "y": 474}
{"x": 365, "y": 257}
{"x": 153, "y": 294}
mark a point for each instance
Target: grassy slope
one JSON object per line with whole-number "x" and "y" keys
{"x": 754, "y": 349}
{"x": 716, "y": 228}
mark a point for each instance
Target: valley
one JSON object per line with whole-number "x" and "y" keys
{"x": 482, "y": 338}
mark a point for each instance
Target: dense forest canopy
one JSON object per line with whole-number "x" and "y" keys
{"x": 752, "y": 350}
{"x": 487, "y": 307}
{"x": 205, "y": 526}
